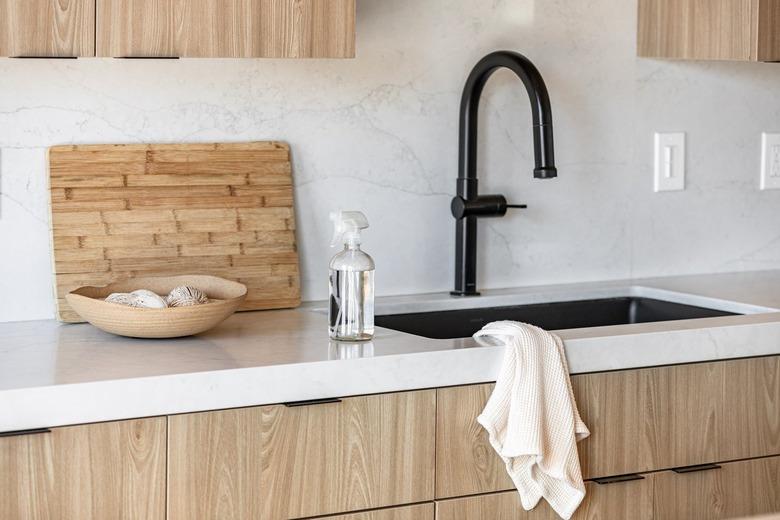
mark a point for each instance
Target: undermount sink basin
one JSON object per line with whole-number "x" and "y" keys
{"x": 462, "y": 323}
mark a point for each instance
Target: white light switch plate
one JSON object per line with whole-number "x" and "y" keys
{"x": 770, "y": 161}
{"x": 669, "y": 161}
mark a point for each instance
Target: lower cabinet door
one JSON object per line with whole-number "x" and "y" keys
{"x": 280, "y": 462}
{"x": 734, "y": 489}
{"x": 99, "y": 471}
{"x": 417, "y": 512}
{"x": 619, "y": 500}
{"x": 640, "y": 421}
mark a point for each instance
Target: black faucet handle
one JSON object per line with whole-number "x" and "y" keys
{"x": 481, "y": 206}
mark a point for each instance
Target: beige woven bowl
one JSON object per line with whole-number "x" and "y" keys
{"x": 172, "y": 322}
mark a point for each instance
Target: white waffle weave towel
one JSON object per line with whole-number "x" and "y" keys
{"x": 532, "y": 418}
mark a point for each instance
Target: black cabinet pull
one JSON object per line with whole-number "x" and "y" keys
{"x": 618, "y": 478}
{"x": 35, "y": 431}
{"x": 44, "y": 57}
{"x": 147, "y": 57}
{"x": 697, "y": 467}
{"x": 310, "y": 402}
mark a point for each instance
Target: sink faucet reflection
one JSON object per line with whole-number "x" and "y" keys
{"x": 468, "y": 205}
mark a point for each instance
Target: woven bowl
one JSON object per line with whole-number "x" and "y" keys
{"x": 225, "y": 297}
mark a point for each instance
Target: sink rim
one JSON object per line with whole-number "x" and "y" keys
{"x": 527, "y": 296}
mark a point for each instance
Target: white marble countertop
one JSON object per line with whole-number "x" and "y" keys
{"x": 53, "y": 374}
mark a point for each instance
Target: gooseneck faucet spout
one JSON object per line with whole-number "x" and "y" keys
{"x": 468, "y": 205}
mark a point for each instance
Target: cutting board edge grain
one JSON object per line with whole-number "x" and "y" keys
{"x": 125, "y": 210}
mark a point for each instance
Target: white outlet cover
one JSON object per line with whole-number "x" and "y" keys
{"x": 669, "y": 171}
{"x": 770, "y": 161}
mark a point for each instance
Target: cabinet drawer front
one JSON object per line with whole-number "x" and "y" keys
{"x": 92, "y": 472}
{"x": 278, "y": 462}
{"x": 418, "y": 512}
{"x": 735, "y": 489}
{"x": 632, "y": 499}
{"x": 226, "y": 29}
{"x": 47, "y": 28}
{"x": 640, "y": 420}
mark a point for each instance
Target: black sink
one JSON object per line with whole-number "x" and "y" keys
{"x": 551, "y": 316}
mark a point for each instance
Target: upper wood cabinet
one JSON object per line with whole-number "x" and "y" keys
{"x": 743, "y": 30}
{"x": 226, "y": 28}
{"x": 93, "y": 472}
{"x": 280, "y": 462}
{"x": 50, "y": 28}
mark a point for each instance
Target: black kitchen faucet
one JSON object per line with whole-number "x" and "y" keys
{"x": 468, "y": 205}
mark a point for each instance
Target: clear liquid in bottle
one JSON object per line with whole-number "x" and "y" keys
{"x": 351, "y": 305}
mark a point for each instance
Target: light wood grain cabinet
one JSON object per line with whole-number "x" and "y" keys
{"x": 735, "y": 489}
{"x": 226, "y": 28}
{"x": 743, "y": 30}
{"x": 279, "y": 462}
{"x": 640, "y": 420}
{"x": 47, "y": 28}
{"x": 416, "y": 512}
{"x": 109, "y": 470}
{"x": 626, "y": 500}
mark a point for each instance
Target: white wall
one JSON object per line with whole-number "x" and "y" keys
{"x": 378, "y": 133}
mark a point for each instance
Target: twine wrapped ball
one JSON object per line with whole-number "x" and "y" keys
{"x": 186, "y": 296}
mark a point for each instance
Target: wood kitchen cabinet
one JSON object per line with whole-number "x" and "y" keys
{"x": 47, "y": 28}
{"x": 734, "y": 489}
{"x": 279, "y": 462}
{"x": 743, "y": 30}
{"x": 226, "y": 28}
{"x": 93, "y": 472}
{"x": 631, "y": 499}
{"x": 640, "y": 420}
{"x": 727, "y": 490}
{"x": 417, "y": 512}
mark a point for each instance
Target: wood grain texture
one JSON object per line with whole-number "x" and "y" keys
{"x": 684, "y": 410}
{"x": 751, "y": 407}
{"x": 110, "y": 470}
{"x": 625, "y": 500}
{"x": 465, "y": 461}
{"x": 741, "y": 30}
{"x": 55, "y": 28}
{"x": 227, "y": 28}
{"x": 418, "y": 512}
{"x": 614, "y": 407}
{"x": 275, "y": 462}
{"x": 737, "y": 489}
{"x": 123, "y": 211}
{"x": 640, "y": 420}
{"x": 767, "y": 25}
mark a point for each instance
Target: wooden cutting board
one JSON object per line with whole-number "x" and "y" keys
{"x": 224, "y": 209}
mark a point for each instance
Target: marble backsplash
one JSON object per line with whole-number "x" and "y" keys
{"x": 379, "y": 134}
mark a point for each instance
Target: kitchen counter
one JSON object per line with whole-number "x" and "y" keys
{"x": 53, "y": 374}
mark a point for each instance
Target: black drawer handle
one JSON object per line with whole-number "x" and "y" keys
{"x": 618, "y": 478}
{"x": 147, "y": 57}
{"x": 22, "y": 57}
{"x": 35, "y": 431}
{"x": 311, "y": 402}
{"x": 697, "y": 467}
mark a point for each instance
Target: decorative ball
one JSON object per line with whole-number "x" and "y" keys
{"x": 149, "y": 300}
{"x": 186, "y": 296}
{"x": 141, "y": 298}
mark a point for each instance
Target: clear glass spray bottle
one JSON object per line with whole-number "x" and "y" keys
{"x": 351, "y": 306}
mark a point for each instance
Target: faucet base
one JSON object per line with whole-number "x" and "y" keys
{"x": 464, "y": 293}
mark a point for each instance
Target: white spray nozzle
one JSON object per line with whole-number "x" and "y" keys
{"x": 347, "y": 226}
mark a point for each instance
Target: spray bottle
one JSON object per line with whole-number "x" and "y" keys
{"x": 351, "y": 308}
